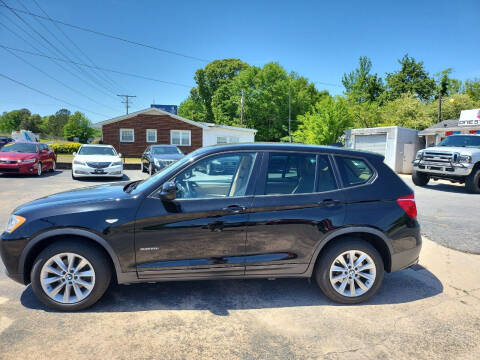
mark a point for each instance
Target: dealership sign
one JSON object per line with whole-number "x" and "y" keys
{"x": 469, "y": 118}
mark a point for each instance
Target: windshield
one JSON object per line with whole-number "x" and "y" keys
{"x": 141, "y": 185}
{"x": 462, "y": 141}
{"x": 21, "y": 148}
{"x": 96, "y": 150}
{"x": 161, "y": 150}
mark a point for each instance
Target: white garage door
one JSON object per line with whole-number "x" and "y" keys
{"x": 375, "y": 143}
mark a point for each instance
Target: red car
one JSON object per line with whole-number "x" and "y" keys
{"x": 27, "y": 158}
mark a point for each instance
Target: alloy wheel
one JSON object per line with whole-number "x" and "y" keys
{"x": 352, "y": 273}
{"x": 150, "y": 169}
{"x": 39, "y": 169}
{"x": 67, "y": 278}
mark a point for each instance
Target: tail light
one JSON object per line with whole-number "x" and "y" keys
{"x": 407, "y": 203}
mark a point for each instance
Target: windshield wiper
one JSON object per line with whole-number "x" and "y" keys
{"x": 131, "y": 186}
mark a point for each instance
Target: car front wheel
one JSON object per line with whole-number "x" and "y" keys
{"x": 350, "y": 271}
{"x": 420, "y": 179}
{"x": 472, "y": 182}
{"x": 70, "y": 276}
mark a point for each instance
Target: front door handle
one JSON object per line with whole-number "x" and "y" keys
{"x": 235, "y": 209}
{"x": 329, "y": 202}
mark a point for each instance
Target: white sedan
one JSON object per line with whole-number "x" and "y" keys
{"x": 97, "y": 161}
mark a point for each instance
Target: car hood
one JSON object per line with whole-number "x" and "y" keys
{"x": 89, "y": 195}
{"x": 96, "y": 158}
{"x": 16, "y": 155}
{"x": 168, "y": 156}
{"x": 452, "y": 149}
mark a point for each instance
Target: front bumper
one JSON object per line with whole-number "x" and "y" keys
{"x": 10, "y": 252}
{"x": 19, "y": 168}
{"x": 446, "y": 169}
{"x": 87, "y": 171}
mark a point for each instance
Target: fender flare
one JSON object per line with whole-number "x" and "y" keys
{"x": 345, "y": 231}
{"x": 68, "y": 231}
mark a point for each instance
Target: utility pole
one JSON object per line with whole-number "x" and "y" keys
{"x": 439, "y": 107}
{"x": 242, "y": 101}
{"x": 126, "y": 102}
{"x": 290, "y": 113}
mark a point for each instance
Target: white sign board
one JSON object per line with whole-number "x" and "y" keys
{"x": 469, "y": 118}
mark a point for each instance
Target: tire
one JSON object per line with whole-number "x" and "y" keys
{"x": 329, "y": 258}
{"x": 73, "y": 176}
{"x": 54, "y": 166}
{"x": 420, "y": 179}
{"x": 96, "y": 261}
{"x": 150, "y": 169}
{"x": 472, "y": 181}
{"x": 39, "y": 169}
{"x": 143, "y": 167}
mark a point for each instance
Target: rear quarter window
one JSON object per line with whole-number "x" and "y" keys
{"x": 354, "y": 171}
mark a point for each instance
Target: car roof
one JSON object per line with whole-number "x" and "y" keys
{"x": 163, "y": 145}
{"x": 289, "y": 147}
{"x": 96, "y": 145}
{"x": 28, "y": 142}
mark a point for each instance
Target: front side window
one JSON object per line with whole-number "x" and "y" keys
{"x": 220, "y": 176}
{"x": 127, "y": 135}
{"x": 353, "y": 171}
{"x": 290, "y": 174}
{"x": 151, "y": 135}
{"x": 180, "y": 137}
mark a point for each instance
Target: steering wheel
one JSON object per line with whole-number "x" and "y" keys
{"x": 187, "y": 188}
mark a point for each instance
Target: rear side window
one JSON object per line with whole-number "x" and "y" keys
{"x": 290, "y": 174}
{"x": 353, "y": 171}
{"x": 326, "y": 180}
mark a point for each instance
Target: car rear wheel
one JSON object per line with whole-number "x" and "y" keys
{"x": 420, "y": 179}
{"x": 70, "y": 276}
{"x": 350, "y": 271}
{"x": 472, "y": 182}
{"x": 54, "y": 166}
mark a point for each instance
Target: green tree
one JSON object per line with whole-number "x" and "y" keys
{"x": 452, "y": 106}
{"x": 78, "y": 126}
{"x": 325, "y": 123}
{"x": 193, "y": 107}
{"x": 360, "y": 85}
{"x": 472, "y": 88}
{"x": 446, "y": 85}
{"x": 407, "y": 111}
{"x": 212, "y": 77}
{"x": 366, "y": 114}
{"x": 32, "y": 123}
{"x": 10, "y": 121}
{"x": 411, "y": 78}
{"x": 57, "y": 122}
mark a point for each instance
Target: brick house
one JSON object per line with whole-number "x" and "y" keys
{"x": 131, "y": 134}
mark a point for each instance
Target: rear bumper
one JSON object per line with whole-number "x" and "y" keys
{"x": 407, "y": 252}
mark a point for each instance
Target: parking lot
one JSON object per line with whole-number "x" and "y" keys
{"x": 430, "y": 311}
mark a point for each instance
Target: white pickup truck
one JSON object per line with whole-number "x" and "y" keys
{"x": 457, "y": 158}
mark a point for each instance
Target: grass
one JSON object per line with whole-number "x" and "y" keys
{"x": 68, "y": 158}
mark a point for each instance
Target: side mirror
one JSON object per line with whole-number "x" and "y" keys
{"x": 74, "y": 153}
{"x": 169, "y": 191}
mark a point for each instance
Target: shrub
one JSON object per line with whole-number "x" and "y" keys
{"x": 66, "y": 148}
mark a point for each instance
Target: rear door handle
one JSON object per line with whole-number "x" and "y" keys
{"x": 235, "y": 209}
{"x": 329, "y": 202}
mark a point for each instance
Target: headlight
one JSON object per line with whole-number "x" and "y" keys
{"x": 465, "y": 159}
{"x": 116, "y": 163}
{"x": 14, "y": 223}
{"x": 419, "y": 155}
{"x": 78, "y": 162}
{"x": 27, "y": 161}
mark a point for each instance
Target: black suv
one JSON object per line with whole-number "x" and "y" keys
{"x": 342, "y": 217}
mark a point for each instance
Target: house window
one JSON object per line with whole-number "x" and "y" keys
{"x": 221, "y": 139}
{"x": 180, "y": 137}
{"x": 151, "y": 135}
{"x": 127, "y": 135}
{"x": 234, "y": 140}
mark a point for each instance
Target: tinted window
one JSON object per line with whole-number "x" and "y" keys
{"x": 22, "y": 148}
{"x": 290, "y": 174}
{"x": 216, "y": 176}
{"x": 326, "y": 180}
{"x": 353, "y": 171}
{"x": 96, "y": 150}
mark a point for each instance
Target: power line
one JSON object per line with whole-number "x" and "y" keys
{"x": 59, "y": 81}
{"x": 42, "y": 54}
{"x": 51, "y": 44}
{"x": 325, "y": 83}
{"x": 97, "y": 67}
{"x": 109, "y": 36}
{"x": 108, "y": 78}
{"x": 50, "y": 96}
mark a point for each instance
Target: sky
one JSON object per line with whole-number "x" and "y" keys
{"x": 320, "y": 40}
